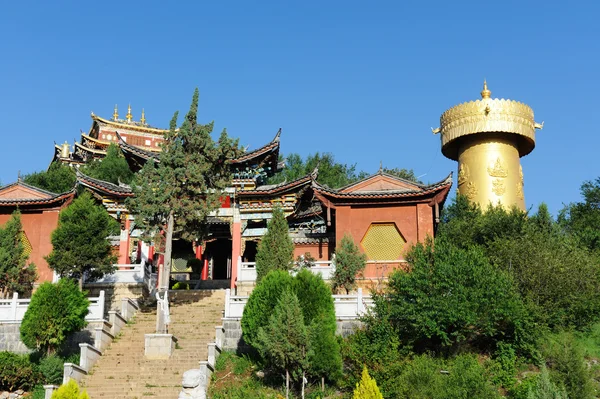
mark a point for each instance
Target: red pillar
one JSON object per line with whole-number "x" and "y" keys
{"x": 236, "y": 246}
{"x": 124, "y": 244}
{"x": 198, "y": 251}
{"x": 204, "y": 275}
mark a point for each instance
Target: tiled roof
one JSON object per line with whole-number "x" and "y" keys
{"x": 50, "y": 197}
{"x": 272, "y": 146}
{"x": 279, "y": 188}
{"x": 381, "y": 173}
{"x": 137, "y": 151}
{"x": 104, "y": 186}
{"x": 423, "y": 191}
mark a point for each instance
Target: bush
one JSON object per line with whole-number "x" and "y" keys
{"x": 454, "y": 299}
{"x": 52, "y": 369}
{"x": 180, "y": 286}
{"x": 261, "y": 303}
{"x": 70, "y": 390}
{"x": 564, "y": 357}
{"x": 55, "y": 311}
{"x": 544, "y": 388}
{"x": 460, "y": 378}
{"x": 367, "y": 387}
{"x": 17, "y": 372}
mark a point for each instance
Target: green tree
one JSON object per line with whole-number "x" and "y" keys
{"x": 367, "y": 387}
{"x": 112, "y": 168}
{"x": 55, "y": 311}
{"x": 178, "y": 193}
{"x": 284, "y": 340}
{"x": 453, "y": 298}
{"x": 406, "y": 174}
{"x": 316, "y": 302}
{"x": 261, "y": 303}
{"x": 80, "y": 245}
{"x": 544, "y": 388}
{"x": 583, "y": 218}
{"x": 349, "y": 261}
{"x": 276, "y": 249}
{"x": 59, "y": 178}
{"x": 15, "y": 274}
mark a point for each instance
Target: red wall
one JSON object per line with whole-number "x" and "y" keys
{"x": 415, "y": 223}
{"x": 317, "y": 251}
{"x": 38, "y": 226}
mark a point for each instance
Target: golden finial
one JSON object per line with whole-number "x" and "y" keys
{"x": 485, "y": 93}
{"x": 116, "y": 114}
{"x": 129, "y": 116}
{"x": 143, "y": 119}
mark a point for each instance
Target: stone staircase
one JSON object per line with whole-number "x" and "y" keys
{"x": 123, "y": 371}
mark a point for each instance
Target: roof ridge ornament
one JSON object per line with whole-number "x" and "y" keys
{"x": 143, "y": 118}
{"x": 485, "y": 93}
{"x": 129, "y": 116}
{"x": 116, "y": 114}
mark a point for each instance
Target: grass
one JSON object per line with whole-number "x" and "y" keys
{"x": 235, "y": 378}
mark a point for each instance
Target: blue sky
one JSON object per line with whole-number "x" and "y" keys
{"x": 363, "y": 80}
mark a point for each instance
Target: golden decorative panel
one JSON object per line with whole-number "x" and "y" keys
{"x": 498, "y": 187}
{"x": 497, "y": 169}
{"x": 383, "y": 241}
{"x": 27, "y": 248}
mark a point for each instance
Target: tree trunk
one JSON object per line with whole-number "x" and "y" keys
{"x": 287, "y": 384}
{"x": 303, "y": 379}
{"x": 168, "y": 252}
{"x": 81, "y": 282}
{"x": 322, "y": 384}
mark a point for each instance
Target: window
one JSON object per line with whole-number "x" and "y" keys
{"x": 383, "y": 241}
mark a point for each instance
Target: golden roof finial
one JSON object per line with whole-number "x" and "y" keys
{"x": 143, "y": 119}
{"x": 485, "y": 93}
{"x": 116, "y": 114}
{"x": 129, "y": 116}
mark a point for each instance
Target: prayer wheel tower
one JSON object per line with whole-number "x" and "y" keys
{"x": 488, "y": 137}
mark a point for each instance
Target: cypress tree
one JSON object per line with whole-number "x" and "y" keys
{"x": 276, "y": 250}
{"x": 179, "y": 192}
{"x": 15, "y": 274}
{"x": 367, "y": 387}
{"x": 348, "y": 262}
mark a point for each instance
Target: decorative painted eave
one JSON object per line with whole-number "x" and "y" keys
{"x": 278, "y": 189}
{"x": 136, "y": 151}
{"x": 94, "y": 151}
{"x": 401, "y": 195}
{"x": 104, "y": 187}
{"x": 272, "y": 147}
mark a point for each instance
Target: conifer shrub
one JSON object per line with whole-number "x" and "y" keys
{"x": 544, "y": 388}
{"x": 275, "y": 250}
{"x": 261, "y": 303}
{"x": 52, "y": 368}
{"x": 367, "y": 387}
{"x": 55, "y": 311}
{"x": 70, "y": 390}
{"x": 349, "y": 261}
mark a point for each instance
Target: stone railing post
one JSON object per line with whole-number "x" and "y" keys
{"x": 101, "y": 299}
{"x": 48, "y": 390}
{"x": 227, "y": 302}
{"x": 359, "y": 302}
{"x": 13, "y": 306}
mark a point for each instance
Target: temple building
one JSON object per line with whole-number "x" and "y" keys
{"x": 383, "y": 214}
{"x": 39, "y": 217}
{"x": 488, "y": 137}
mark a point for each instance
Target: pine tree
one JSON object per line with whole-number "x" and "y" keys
{"x": 80, "y": 245}
{"x": 276, "y": 250}
{"x": 349, "y": 261}
{"x": 112, "y": 168}
{"x": 15, "y": 274}
{"x": 284, "y": 341}
{"x": 59, "y": 178}
{"x": 367, "y": 387}
{"x": 179, "y": 192}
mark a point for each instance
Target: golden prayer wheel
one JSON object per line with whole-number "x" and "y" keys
{"x": 488, "y": 137}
